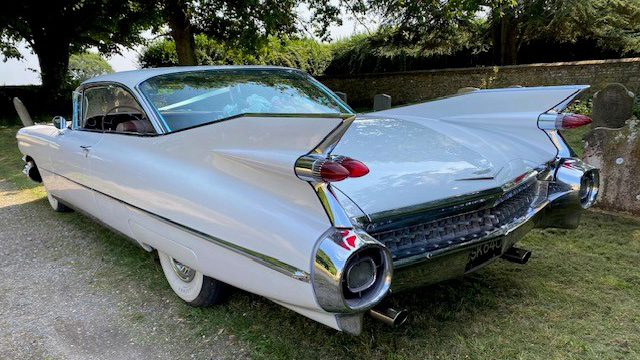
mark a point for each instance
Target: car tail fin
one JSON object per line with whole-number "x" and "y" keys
{"x": 491, "y": 103}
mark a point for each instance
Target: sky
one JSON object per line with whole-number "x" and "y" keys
{"x": 26, "y": 71}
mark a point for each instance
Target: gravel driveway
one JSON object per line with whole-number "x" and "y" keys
{"x": 54, "y": 305}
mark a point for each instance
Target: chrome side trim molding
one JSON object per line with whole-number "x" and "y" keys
{"x": 260, "y": 258}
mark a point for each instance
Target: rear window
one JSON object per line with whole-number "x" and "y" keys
{"x": 193, "y": 98}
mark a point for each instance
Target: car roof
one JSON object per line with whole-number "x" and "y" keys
{"x": 134, "y": 77}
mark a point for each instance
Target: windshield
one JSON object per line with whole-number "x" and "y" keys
{"x": 192, "y": 98}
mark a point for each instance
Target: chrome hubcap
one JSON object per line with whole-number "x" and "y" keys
{"x": 184, "y": 272}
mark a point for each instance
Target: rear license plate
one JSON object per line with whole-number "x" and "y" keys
{"x": 483, "y": 253}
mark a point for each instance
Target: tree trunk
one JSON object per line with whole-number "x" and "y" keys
{"x": 181, "y": 31}
{"x": 53, "y": 56}
{"x": 509, "y": 42}
{"x": 505, "y": 40}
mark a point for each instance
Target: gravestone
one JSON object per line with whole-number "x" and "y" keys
{"x": 615, "y": 153}
{"x": 22, "y": 112}
{"x": 341, "y": 95}
{"x": 467, "y": 89}
{"x": 612, "y": 106}
{"x": 381, "y": 102}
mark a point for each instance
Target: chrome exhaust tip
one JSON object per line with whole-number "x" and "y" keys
{"x": 389, "y": 315}
{"x": 517, "y": 255}
{"x": 589, "y": 187}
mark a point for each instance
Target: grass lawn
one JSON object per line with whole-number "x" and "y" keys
{"x": 577, "y": 298}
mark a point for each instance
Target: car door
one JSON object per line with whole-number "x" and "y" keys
{"x": 115, "y": 161}
{"x": 72, "y": 159}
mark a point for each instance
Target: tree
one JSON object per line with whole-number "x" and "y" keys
{"x": 56, "y": 29}
{"x": 505, "y": 25}
{"x": 304, "y": 54}
{"x": 245, "y": 24}
{"x": 85, "y": 66}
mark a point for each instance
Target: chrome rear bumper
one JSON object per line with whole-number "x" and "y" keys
{"x": 562, "y": 192}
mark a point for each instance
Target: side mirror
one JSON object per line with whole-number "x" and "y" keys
{"x": 60, "y": 122}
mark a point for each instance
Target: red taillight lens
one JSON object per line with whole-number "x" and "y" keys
{"x": 331, "y": 171}
{"x": 356, "y": 168}
{"x": 572, "y": 121}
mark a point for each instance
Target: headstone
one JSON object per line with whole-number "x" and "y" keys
{"x": 22, "y": 112}
{"x": 467, "y": 89}
{"x": 381, "y": 102}
{"x": 615, "y": 153}
{"x": 341, "y": 95}
{"x": 612, "y": 106}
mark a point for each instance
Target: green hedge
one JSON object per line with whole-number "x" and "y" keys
{"x": 304, "y": 54}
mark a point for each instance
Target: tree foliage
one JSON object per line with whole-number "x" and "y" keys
{"x": 506, "y": 25}
{"x": 85, "y": 66}
{"x": 245, "y": 24}
{"x": 304, "y": 54}
{"x": 56, "y": 29}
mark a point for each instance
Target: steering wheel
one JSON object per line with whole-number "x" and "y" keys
{"x": 122, "y": 107}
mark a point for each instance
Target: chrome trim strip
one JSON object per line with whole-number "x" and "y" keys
{"x": 564, "y": 150}
{"x": 306, "y": 169}
{"x": 329, "y": 143}
{"x": 443, "y": 207}
{"x": 433, "y": 209}
{"x": 550, "y": 121}
{"x": 332, "y": 206}
{"x": 135, "y": 94}
{"x": 263, "y": 259}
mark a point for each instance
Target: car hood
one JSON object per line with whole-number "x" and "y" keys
{"x": 416, "y": 160}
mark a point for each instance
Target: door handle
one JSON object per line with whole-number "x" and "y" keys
{"x": 86, "y": 149}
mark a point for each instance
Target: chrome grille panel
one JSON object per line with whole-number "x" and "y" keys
{"x": 423, "y": 237}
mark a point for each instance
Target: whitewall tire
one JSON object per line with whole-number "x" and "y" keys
{"x": 191, "y": 285}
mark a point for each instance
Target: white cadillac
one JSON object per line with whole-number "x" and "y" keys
{"x": 263, "y": 179}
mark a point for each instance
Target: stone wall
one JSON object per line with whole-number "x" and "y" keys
{"x": 416, "y": 86}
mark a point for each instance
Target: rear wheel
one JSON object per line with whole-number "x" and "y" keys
{"x": 56, "y": 204}
{"x": 191, "y": 285}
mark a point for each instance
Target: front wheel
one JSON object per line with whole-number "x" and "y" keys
{"x": 190, "y": 285}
